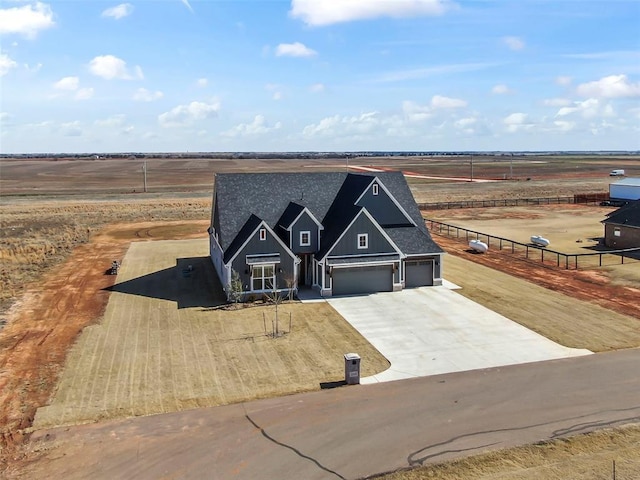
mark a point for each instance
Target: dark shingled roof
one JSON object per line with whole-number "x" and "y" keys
{"x": 246, "y": 198}
{"x": 247, "y": 229}
{"x": 628, "y": 215}
{"x": 290, "y": 214}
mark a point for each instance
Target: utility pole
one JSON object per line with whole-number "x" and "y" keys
{"x": 144, "y": 171}
{"x": 471, "y": 168}
{"x": 511, "y": 168}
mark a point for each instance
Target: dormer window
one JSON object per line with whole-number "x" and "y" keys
{"x": 363, "y": 241}
{"x": 305, "y": 238}
{"x": 374, "y": 189}
{"x": 263, "y": 234}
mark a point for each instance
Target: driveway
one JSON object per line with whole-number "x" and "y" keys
{"x": 434, "y": 330}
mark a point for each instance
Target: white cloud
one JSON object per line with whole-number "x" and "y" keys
{"x": 187, "y": 114}
{"x": 500, "y": 89}
{"x": 613, "y": 86}
{"x": 257, "y": 127}
{"x": 556, "y": 102}
{"x": 275, "y": 89}
{"x": 517, "y": 121}
{"x": 202, "y": 82}
{"x": 119, "y": 11}
{"x": 6, "y": 64}
{"x": 110, "y": 67}
{"x": 72, "y": 84}
{"x": 466, "y": 123}
{"x": 418, "y": 73}
{"x": 590, "y": 108}
{"x": 27, "y": 20}
{"x": 335, "y": 126}
{"x": 439, "y": 101}
{"x": 144, "y": 95}
{"x": 327, "y": 12}
{"x": 84, "y": 94}
{"x": 317, "y": 88}
{"x": 296, "y": 49}
{"x": 564, "y": 125}
{"x": 68, "y": 84}
{"x": 564, "y": 80}
{"x": 187, "y": 4}
{"x": 414, "y": 112}
{"x": 71, "y": 129}
{"x": 113, "y": 121}
{"x": 513, "y": 43}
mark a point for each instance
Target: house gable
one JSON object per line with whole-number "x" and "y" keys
{"x": 382, "y": 205}
{"x": 261, "y": 246}
{"x": 305, "y": 227}
{"x": 296, "y": 224}
{"x": 352, "y": 242}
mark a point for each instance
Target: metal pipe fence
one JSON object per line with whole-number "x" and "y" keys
{"x": 583, "y": 199}
{"x": 568, "y": 261}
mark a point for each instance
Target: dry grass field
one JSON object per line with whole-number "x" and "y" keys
{"x": 165, "y": 344}
{"x": 592, "y": 456}
{"x": 58, "y": 233}
{"x": 571, "y": 229}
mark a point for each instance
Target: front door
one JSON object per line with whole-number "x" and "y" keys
{"x": 305, "y": 274}
{"x": 302, "y": 277}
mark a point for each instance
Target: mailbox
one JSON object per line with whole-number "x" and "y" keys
{"x": 352, "y": 368}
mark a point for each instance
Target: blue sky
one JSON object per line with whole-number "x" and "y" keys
{"x": 319, "y": 75}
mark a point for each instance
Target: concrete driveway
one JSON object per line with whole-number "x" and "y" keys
{"x": 434, "y": 330}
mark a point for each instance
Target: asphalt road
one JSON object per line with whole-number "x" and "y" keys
{"x": 355, "y": 431}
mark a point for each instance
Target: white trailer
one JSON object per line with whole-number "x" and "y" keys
{"x": 627, "y": 189}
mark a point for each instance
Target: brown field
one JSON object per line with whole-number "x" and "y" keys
{"x": 53, "y": 208}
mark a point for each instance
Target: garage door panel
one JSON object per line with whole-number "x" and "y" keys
{"x": 418, "y": 274}
{"x": 351, "y": 281}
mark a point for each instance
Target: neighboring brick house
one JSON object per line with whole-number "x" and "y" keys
{"x": 622, "y": 227}
{"x": 339, "y": 233}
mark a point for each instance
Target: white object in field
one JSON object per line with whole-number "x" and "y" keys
{"x": 478, "y": 246}
{"x": 617, "y": 173}
{"x": 538, "y": 240}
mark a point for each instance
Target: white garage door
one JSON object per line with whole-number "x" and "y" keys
{"x": 351, "y": 281}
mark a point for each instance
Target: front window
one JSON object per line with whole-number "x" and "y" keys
{"x": 263, "y": 234}
{"x": 616, "y": 232}
{"x": 263, "y": 277}
{"x": 375, "y": 189}
{"x": 305, "y": 239}
{"x": 363, "y": 240}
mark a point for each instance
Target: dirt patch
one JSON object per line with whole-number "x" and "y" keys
{"x": 46, "y": 322}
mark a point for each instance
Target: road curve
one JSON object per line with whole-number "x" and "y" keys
{"x": 354, "y": 431}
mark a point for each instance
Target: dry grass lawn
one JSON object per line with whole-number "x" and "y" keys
{"x": 563, "y": 319}
{"x": 164, "y": 344}
{"x": 585, "y": 457}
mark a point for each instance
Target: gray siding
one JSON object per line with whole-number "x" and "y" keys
{"x": 304, "y": 223}
{"x": 382, "y": 208}
{"x": 255, "y": 246}
{"x": 348, "y": 244}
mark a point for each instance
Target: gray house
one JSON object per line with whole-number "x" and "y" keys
{"x": 339, "y": 233}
